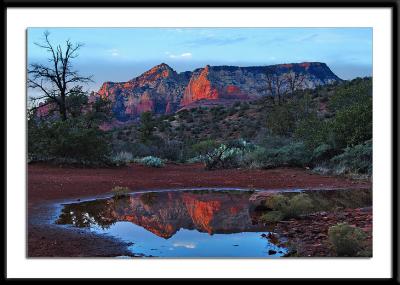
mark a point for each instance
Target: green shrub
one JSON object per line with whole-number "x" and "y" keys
{"x": 277, "y": 202}
{"x": 141, "y": 150}
{"x": 120, "y": 191}
{"x": 204, "y": 147}
{"x": 151, "y": 161}
{"x": 353, "y": 92}
{"x": 281, "y": 120}
{"x": 73, "y": 141}
{"x": 269, "y": 141}
{"x": 147, "y": 126}
{"x": 313, "y": 131}
{"x": 294, "y": 154}
{"x": 298, "y": 205}
{"x": 272, "y": 217}
{"x": 290, "y": 154}
{"x": 357, "y": 159}
{"x": 281, "y": 207}
{"x": 168, "y": 149}
{"x": 353, "y": 125}
{"x": 347, "y": 240}
{"x": 253, "y": 159}
{"x": 322, "y": 153}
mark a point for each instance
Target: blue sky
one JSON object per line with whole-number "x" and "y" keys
{"x": 119, "y": 54}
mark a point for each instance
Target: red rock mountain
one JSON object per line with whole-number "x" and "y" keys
{"x": 162, "y": 90}
{"x": 164, "y": 214}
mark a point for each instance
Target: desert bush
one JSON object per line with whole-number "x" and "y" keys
{"x": 151, "y": 161}
{"x": 294, "y": 154}
{"x": 76, "y": 102}
{"x": 220, "y": 157}
{"x": 353, "y": 125}
{"x": 268, "y": 141}
{"x": 347, "y": 240}
{"x": 298, "y": 205}
{"x": 281, "y": 207}
{"x": 72, "y": 141}
{"x": 204, "y": 147}
{"x": 120, "y": 191}
{"x": 232, "y": 111}
{"x": 253, "y": 159}
{"x": 272, "y": 217}
{"x": 277, "y": 202}
{"x": 167, "y": 149}
{"x": 226, "y": 155}
{"x": 147, "y": 126}
{"x": 313, "y": 132}
{"x": 357, "y": 159}
{"x": 291, "y": 154}
{"x": 184, "y": 114}
{"x": 322, "y": 153}
{"x": 323, "y": 169}
{"x": 350, "y": 93}
{"x": 281, "y": 120}
{"x": 122, "y": 158}
{"x": 142, "y": 150}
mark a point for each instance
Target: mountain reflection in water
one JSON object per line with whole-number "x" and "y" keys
{"x": 181, "y": 223}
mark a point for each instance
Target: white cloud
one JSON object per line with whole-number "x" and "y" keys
{"x": 185, "y": 55}
{"x": 185, "y": 244}
{"x": 113, "y": 52}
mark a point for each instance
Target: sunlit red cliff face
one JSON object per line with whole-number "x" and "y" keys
{"x": 164, "y": 214}
{"x": 204, "y": 85}
{"x": 162, "y": 90}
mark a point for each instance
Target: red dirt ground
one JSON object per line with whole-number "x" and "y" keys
{"x": 49, "y": 182}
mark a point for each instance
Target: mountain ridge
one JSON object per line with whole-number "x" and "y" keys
{"x": 162, "y": 90}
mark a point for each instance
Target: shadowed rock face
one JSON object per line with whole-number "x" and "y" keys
{"x": 162, "y": 90}
{"x": 164, "y": 214}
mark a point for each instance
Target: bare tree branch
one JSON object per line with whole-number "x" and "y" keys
{"x": 275, "y": 82}
{"x": 54, "y": 80}
{"x": 294, "y": 80}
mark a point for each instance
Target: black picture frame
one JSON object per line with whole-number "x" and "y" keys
{"x": 226, "y": 3}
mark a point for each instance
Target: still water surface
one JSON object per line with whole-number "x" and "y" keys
{"x": 201, "y": 223}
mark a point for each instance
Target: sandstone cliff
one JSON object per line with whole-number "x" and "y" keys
{"x": 162, "y": 90}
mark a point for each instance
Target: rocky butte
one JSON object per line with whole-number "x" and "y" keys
{"x": 162, "y": 90}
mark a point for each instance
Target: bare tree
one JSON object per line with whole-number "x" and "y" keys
{"x": 55, "y": 79}
{"x": 275, "y": 83}
{"x": 294, "y": 81}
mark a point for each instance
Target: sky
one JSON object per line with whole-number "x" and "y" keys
{"x": 120, "y": 54}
